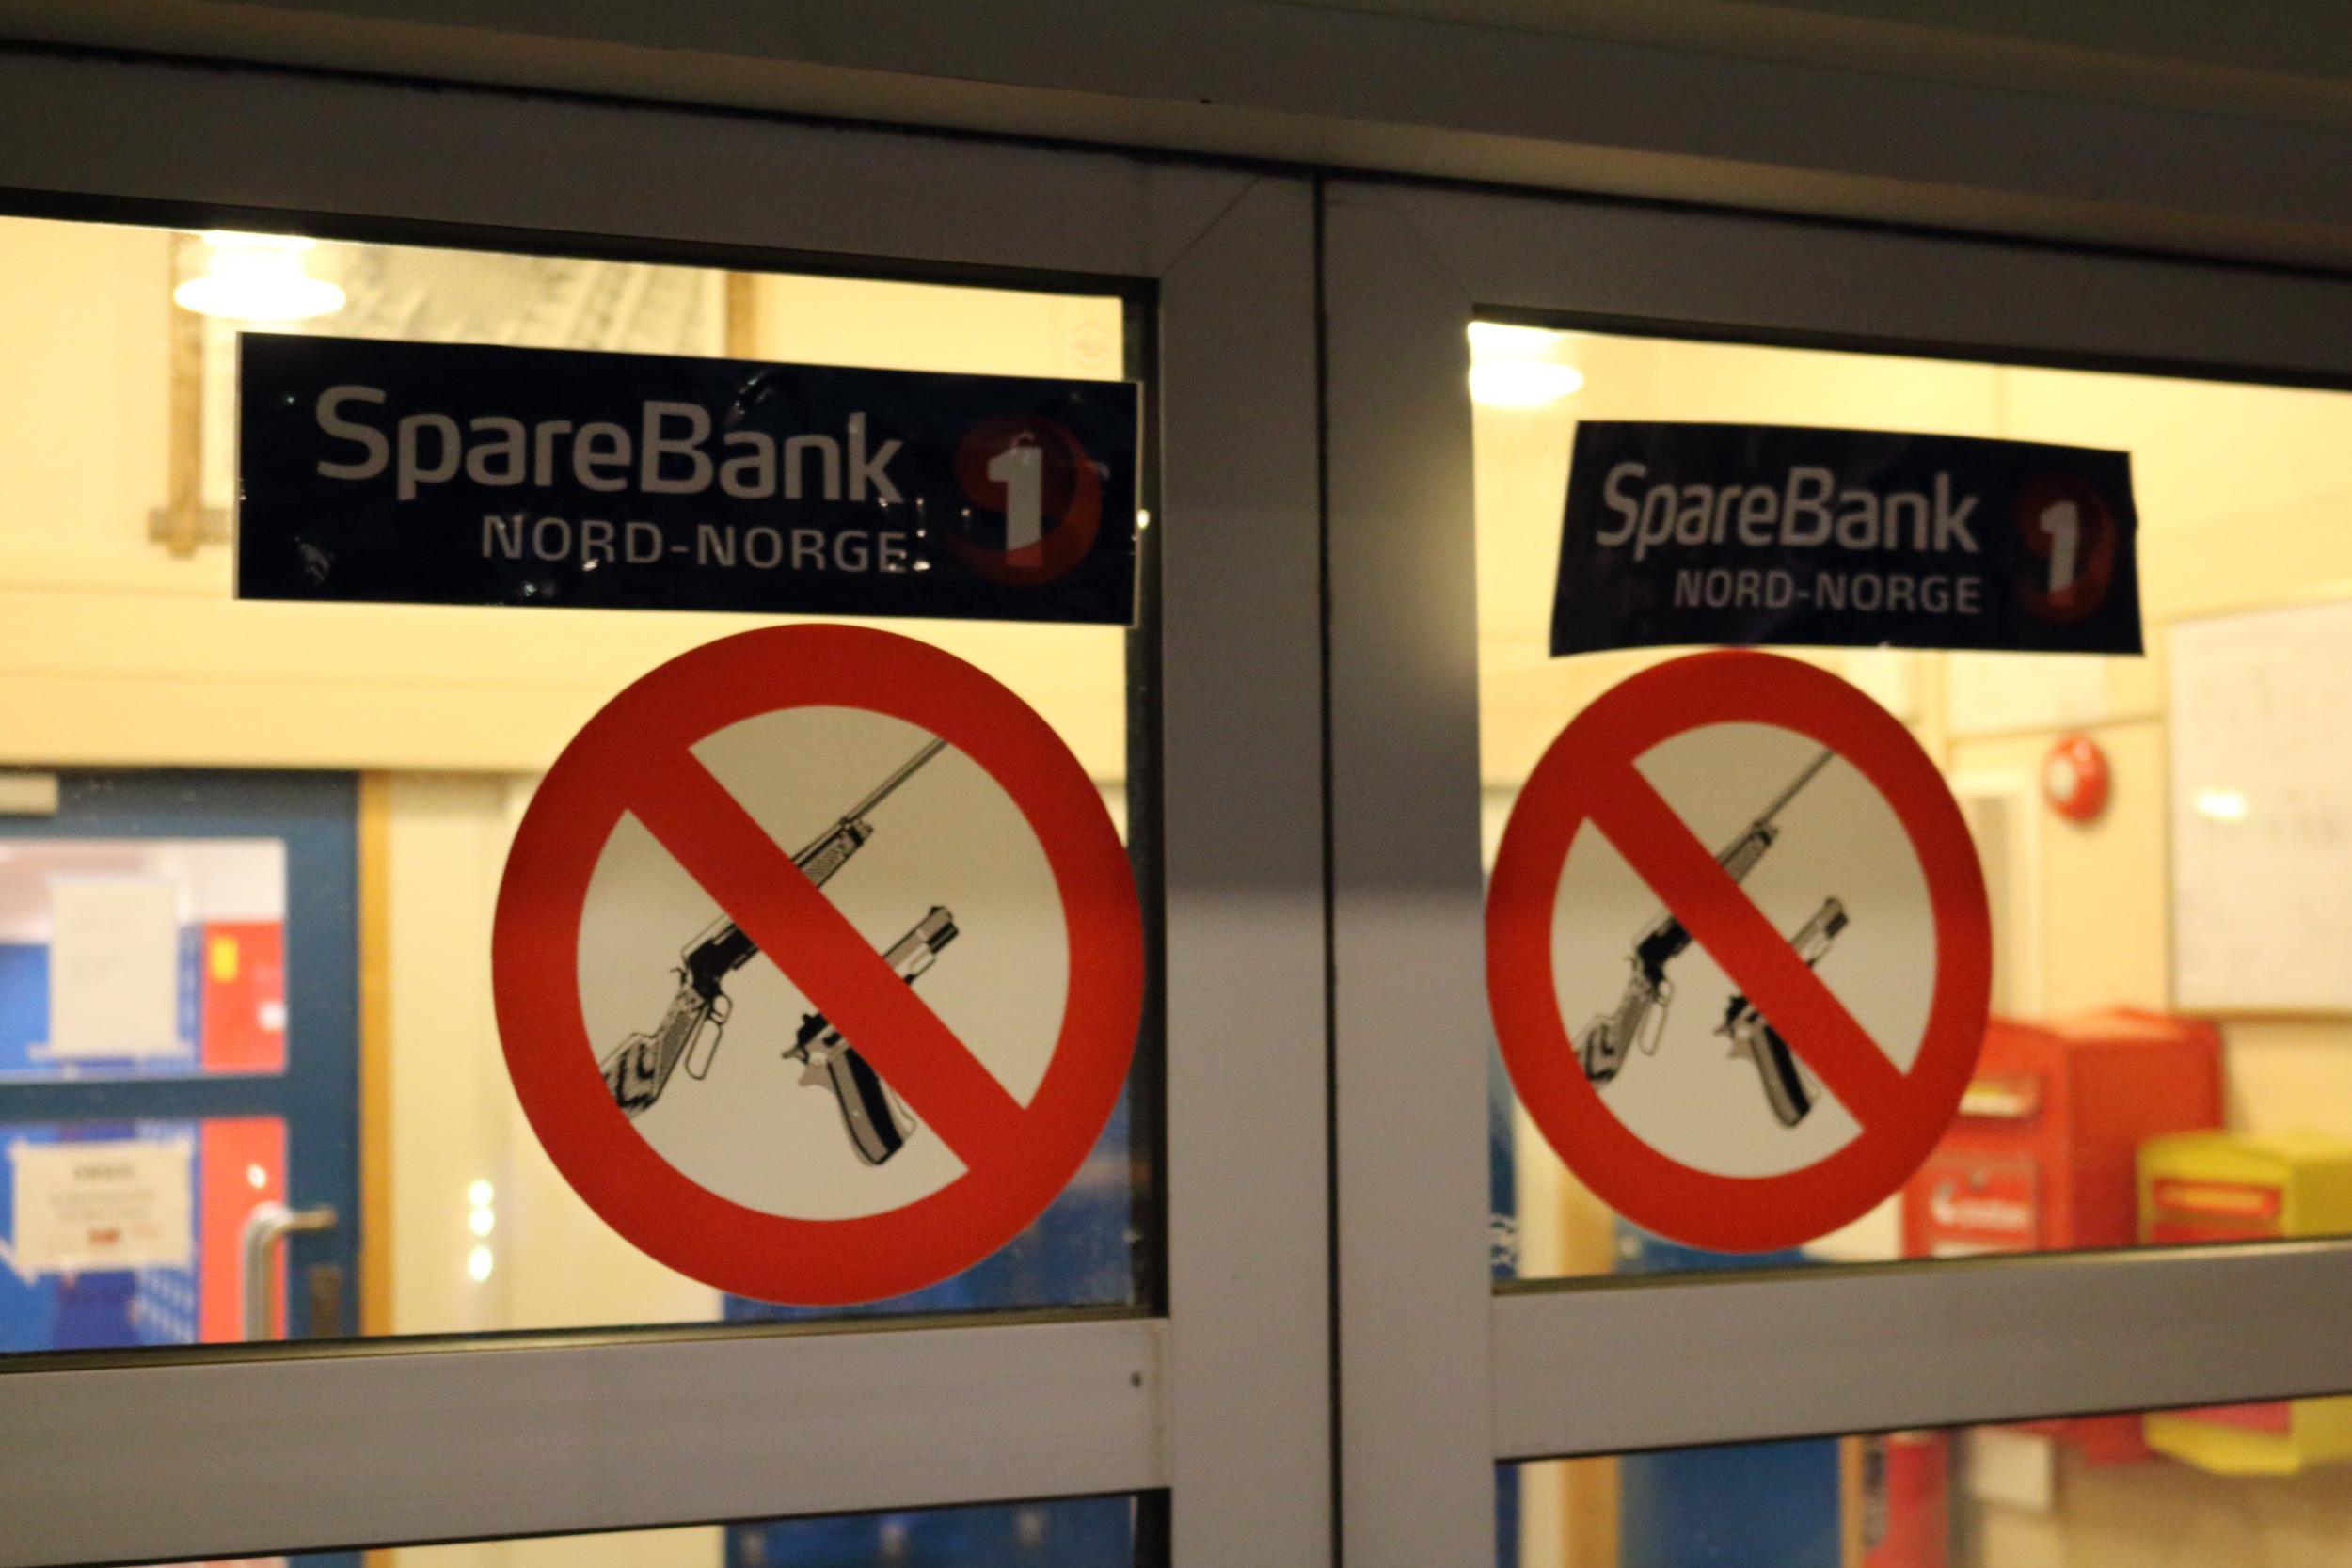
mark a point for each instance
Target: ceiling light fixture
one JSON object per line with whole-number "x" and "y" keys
{"x": 1519, "y": 366}
{"x": 1503, "y": 341}
{"x": 2222, "y": 805}
{"x": 262, "y": 277}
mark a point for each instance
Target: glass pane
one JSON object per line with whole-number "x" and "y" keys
{"x": 2179, "y": 937}
{"x": 1064, "y": 1532}
{"x": 131, "y": 958}
{"x": 250, "y": 850}
{"x": 2262, "y": 1485}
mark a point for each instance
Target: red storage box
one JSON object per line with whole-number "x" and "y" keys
{"x": 2044, "y": 1154}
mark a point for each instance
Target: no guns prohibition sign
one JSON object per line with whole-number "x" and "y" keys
{"x": 920, "y": 1052}
{"x": 1747, "y": 889}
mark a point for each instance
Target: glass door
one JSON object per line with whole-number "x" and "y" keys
{"x": 2097, "y": 1314}
{"x": 177, "y": 1175}
{"x": 250, "y": 861}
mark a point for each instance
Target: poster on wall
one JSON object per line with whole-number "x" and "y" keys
{"x": 1683, "y": 533}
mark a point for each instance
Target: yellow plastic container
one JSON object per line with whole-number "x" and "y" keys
{"x": 2234, "y": 1186}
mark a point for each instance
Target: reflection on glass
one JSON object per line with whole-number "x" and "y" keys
{"x": 1067, "y": 1532}
{"x": 176, "y": 975}
{"x": 2265, "y": 1485}
{"x": 141, "y": 957}
{"x": 2176, "y": 933}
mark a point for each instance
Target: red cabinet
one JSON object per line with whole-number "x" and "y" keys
{"x": 2043, "y": 1155}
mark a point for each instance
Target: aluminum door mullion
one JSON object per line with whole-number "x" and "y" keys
{"x": 510, "y": 161}
{"x": 1742, "y": 275}
{"x": 1241, "y": 704}
{"x": 1417, "y": 1473}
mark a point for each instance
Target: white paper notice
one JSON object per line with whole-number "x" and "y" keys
{"x": 114, "y": 967}
{"x": 121, "y": 1204}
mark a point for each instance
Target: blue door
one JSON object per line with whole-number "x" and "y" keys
{"x": 179, "y": 1029}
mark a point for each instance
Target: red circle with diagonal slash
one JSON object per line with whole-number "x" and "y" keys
{"x": 1588, "y": 775}
{"x": 635, "y": 756}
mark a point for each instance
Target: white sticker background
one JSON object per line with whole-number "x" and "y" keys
{"x": 750, "y": 1132}
{"x": 1693, "y": 1099}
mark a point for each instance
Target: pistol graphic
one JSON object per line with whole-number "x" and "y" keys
{"x": 1640, "y": 1016}
{"x": 1787, "y": 1087}
{"x": 877, "y": 1122}
{"x": 640, "y": 1069}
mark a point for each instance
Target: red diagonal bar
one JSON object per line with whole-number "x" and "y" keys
{"x": 799, "y": 931}
{"x": 1686, "y": 878}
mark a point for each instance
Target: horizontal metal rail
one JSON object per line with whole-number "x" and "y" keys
{"x": 255, "y": 1456}
{"x": 1609, "y": 1366}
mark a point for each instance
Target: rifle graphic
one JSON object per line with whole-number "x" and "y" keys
{"x": 877, "y": 1122}
{"x": 1640, "y": 1018}
{"x": 1787, "y": 1087}
{"x": 640, "y": 1068}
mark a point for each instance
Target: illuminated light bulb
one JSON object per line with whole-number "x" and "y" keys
{"x": 2222, "y": 805}
{"x": 1519, "y": 366}
{"x": 1499, "y": 341}
{"x": 479, "y": 1193}
{"x": 1523, "y": 383}
{"x": 478, "y": 1264}
{"x": 481, "y": 1221}
{"x": 257, "y": 277}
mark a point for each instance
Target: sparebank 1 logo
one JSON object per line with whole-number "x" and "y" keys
{"x": 1035, "y": 500}
{"x": 2065, "y": 522}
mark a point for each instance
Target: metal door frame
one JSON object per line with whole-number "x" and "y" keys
{"x": 1443, "y": 1375}
{"x": 1224, "y": 1402}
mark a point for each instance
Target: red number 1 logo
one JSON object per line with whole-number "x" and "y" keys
{"x": 1036, "y": 477}
{"x": 2064, "y": 520}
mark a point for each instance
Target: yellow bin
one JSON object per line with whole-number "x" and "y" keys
{"x": 2235, "y": 1186}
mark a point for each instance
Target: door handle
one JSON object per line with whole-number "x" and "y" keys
{"x": 268, "y": 1225}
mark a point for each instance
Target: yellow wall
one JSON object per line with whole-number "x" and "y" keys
{"x": 2100, "y": 885}
{"x": 84, "y": 408}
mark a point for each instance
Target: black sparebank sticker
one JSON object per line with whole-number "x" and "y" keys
{"x": 464, "y": 474}
{"x": 1680, "y": 533}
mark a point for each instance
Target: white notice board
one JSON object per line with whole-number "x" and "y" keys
{"x": 2261, "y": 723}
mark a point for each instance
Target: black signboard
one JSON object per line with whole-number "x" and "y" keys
{"x": 462, "y": 474}
{"x": 1758, "y": 534}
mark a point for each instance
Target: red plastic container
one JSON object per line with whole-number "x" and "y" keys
{"x": 2042, "y": 1156}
